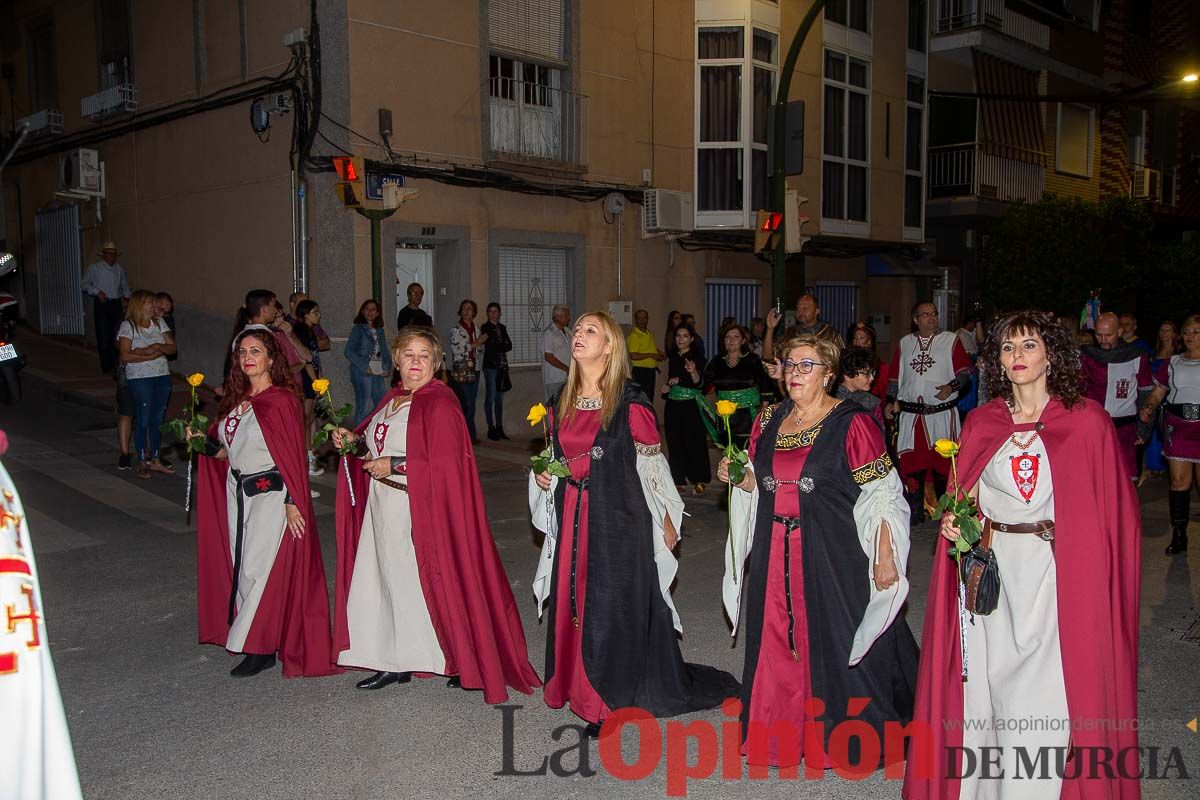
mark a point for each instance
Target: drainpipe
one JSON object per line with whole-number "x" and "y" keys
{"x": 295, "y": 248}
{"x": 302, "y": 202}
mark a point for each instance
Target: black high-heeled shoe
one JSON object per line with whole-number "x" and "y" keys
{"x": 253, "y": 664}
{"x": 592, "y": 731}
{"x": 382, "y": 679}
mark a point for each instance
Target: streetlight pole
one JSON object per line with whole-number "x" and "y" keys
{"x": 778, "y": 155}
{"x": 376, "y": 216}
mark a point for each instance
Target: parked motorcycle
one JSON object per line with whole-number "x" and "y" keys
{"x": 11, "y": 362}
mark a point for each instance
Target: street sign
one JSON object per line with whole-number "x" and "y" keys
{"x": 375, "y": 183}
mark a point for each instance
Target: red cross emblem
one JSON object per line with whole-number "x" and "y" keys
{"x": 263, "y": 484}
{"x": 8, "y": 661}
{"x": 1025, "y": 474}
{"x": 1123, "y": 388}
{"x": 9, "y": 518}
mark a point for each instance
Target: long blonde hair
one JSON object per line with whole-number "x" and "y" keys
{"x": 612, "y": 382}
{"x": 135, "y": 310}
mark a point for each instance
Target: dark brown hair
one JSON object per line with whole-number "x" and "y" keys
{"x": 1063, "y": 375}
{"x": 237, "y": 385}
{"x": 361, "y": 317}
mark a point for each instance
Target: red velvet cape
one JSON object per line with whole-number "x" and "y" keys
{"x": 466, "y": 590}
{"x": 293, "y": 616}
{"x": 1098, "y": 566}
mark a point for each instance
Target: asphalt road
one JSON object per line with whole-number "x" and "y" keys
{"x": 154, "y": 715}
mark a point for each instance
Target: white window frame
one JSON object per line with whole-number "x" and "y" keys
{"x": 852, "y": 40}
{"x": 846, "y": 227}
{"x": 910, "y": 233}
{"x": 1091, "y": 135}
{"x": 743, "y": 217}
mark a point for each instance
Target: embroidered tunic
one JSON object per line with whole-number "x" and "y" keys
{"x": 390, "y": 626}
{"x": 1015, "y": 670}
{"x": 264, "y": 518}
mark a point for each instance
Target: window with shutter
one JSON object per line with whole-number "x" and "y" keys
{"x": 534, "y": 28}
{"x": 1073, "y": 153}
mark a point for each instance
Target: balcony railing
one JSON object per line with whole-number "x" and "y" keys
{"x": 957, "y": 15}
{"x": 535, "y": 121}
{"x": 113, "y": 100}
{"x": 986, "y": 170}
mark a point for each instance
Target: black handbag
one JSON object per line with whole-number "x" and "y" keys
{"x": 503, "y": 379}
{"x": 980, "y": 575}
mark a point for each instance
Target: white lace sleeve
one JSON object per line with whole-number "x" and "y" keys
{"x": 545, "y": 519}
{"x": 882, "y": 500}
{"x": 662, "y": 498}
{"x": 743, "y": 516}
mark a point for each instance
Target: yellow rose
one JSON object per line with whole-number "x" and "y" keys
{"x": 195, "y": 379}
{"x": 536, "y": 414}
{"x": 726, "y": 408}
{"x": 321, "y": 385}
{"x": 946, "y": 447}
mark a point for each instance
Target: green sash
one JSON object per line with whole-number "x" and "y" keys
{"x": 707, "y": 415}
{"x": 745, "y": 398}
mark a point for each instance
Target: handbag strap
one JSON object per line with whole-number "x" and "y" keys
{"x": 985, "y": 540}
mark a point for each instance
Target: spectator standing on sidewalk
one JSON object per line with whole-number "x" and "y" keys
{"x": 144, "y": 342}
{"x": 370, "y": 360}
{"x": 466, "y": 360}
{"x": 105, "y": 281}
{"x": 555, "y": 345}
{"x": 496, "y": 380}
{"x": 308, "y": 320}
{"x": 643, "y": 353}
{"x": 413, "y": 314}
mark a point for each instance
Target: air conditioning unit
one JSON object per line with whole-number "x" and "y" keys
{"x": 80, "y": 171}
{"x": 47, "y": 122}
{"x": 665, "y": 211}
{"x": 1147, "y": 184}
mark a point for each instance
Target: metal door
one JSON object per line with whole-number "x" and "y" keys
{"x": 59, "y": 271}
{"x": 415, "y": 266}
{"x": 839, "y": 304}
{"x": 728, "y": 298}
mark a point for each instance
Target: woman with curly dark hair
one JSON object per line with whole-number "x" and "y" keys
{"x": 1062, "y": 521}
{"x": 261, "y": 578}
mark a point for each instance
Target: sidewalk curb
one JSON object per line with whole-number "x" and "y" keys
{"x": 75, "y": 396}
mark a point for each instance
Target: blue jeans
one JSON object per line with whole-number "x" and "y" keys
{"x": 493, "y": 401}
{"x": 368, "y": 393}
{"x": 150, "y": 396}
{"x": 467, "y": 394}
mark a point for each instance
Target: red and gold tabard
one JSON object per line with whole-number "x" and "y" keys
{"x": 36, "y": 759}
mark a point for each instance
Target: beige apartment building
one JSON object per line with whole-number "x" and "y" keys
{"x": 538, "y": 133}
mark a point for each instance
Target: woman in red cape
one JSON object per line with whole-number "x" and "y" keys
{"x": 1094, "y": 575}
{"x": 462, "y": 620}
{"x": 289, "y": 613}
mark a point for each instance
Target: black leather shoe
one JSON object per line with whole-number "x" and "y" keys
{"x": 495, "y": 437}
{"x": 454, "y": 683}
{"x": 592, "y": 731}
{"x": 253, "y": 664}
{"x": 500, "y": 432}
{"x": 382, "y": 679}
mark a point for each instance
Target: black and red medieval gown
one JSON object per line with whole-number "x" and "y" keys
{"x": 817, "y": 628}
{"x": 611, "y": 639}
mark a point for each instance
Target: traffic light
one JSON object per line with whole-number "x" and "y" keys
{"x": 351, "y": 183}
{"x": 767, "y": 229}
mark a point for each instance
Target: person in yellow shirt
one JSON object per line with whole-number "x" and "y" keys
{"x": 643, "y": 352}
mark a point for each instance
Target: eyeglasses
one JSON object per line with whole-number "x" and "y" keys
{"x": 803, "y": 366}
{"x": 927, "y": 314}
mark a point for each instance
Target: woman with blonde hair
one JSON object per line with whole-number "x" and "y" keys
{"x": 606, "y": 565}
{"x": 143, "y": 342}
{"x": 420, "y": 587}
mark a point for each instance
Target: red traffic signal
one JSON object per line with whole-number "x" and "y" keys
{"x": 768, "y": 226}
{"x": 346, "y": 168}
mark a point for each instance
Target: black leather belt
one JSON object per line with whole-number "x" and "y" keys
{"x": 1187, "y": 411}
{"x": 789, "y": 524}
{"x": 249, "y": 485}
{"x": 922, "y": 408}
{"x": 582, "y": 486}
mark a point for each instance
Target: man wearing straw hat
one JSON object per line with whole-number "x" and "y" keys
{"x": 105, "y": 281}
